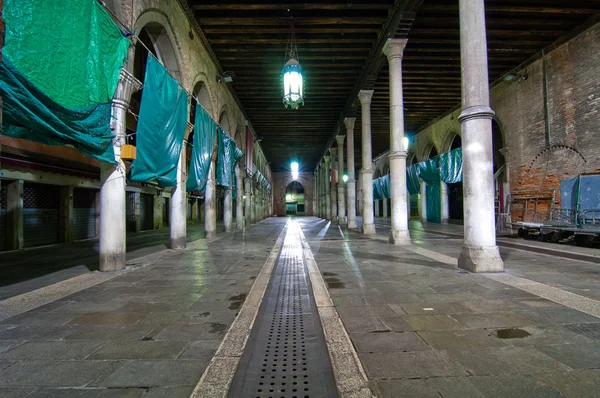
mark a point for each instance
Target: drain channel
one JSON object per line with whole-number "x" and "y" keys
{"x": 286, "y": 355}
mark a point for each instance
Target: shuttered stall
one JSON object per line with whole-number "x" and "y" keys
{"x": 166, "y": 211}
{"x": 84, "y": 213}
{"x": 130, "y": 211}
{"x": 3, "y": 233}
{"x": 146, "y": 212}
{"x": 40, "y": 214}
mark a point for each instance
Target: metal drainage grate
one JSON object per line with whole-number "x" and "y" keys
{"x": 286, "y": 355}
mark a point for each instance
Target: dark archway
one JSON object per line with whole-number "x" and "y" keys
{"x": 294, "y": 199}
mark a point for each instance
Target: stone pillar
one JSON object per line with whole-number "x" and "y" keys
{"x": 178, "y": 204}
{"x": 385, "y": 208}
{"x": 65, "y": 214}
{"x": 248, "y": 201}
{"x": 327, "y": 185}
{"x": 254, "y": 214}
{"x": 368, "y": 226}
{"x": 194, "y": 215}
{"x": 399, "y": 235}
{"x": 333, "y": 186}
{"x": 444, "y": 202}
{"x": 210, "y": 202}
{"x": 351, "y": 185}
{"x": 228, "y": 210}
{"x": 14, "y": 215}
{"x": 322, "y": 197}
{"x": 423, "y": 203}
{"x": 239, "y": 198}
{"x": 359, "y": 194}
{"x": 479, "y": 253}
{"x": 111, "y": 242}
{"x": 341, "y": 185}
{"x": 377, "y": 206}
{"x": 137, "y": 210}
{"x": 315, "y": 194}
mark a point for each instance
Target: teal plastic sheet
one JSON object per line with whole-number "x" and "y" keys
{"x": 204, "y": 142}
{"x": 428, "y": 170}
{"x": 412, "y": 180}
{"x": 433, "y": 203}
{"x": 161, "y": 127}
{"x": 377, "y": 191}
{"x": 237, "y": 156}
{"x": 73, "y": 52}
{"x": 226, "y": 159}
{"x": 28, "y": 113}
{"x": 385, "y": 186}
{"x": 60, "y": 70}
{"x": 451, "y": 166}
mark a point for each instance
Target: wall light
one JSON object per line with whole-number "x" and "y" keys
{"x": 405, "y": 143}
{"x": 295, "y": 167}
{"x": 345, "y": 178}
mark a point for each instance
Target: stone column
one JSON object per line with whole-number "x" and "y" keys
{"x": 65, "y": 214}
{"x": 255, "y": 202}
{"x": 359, "y": 194}
{"x": 239, "y": 199}
{"x": 385, "y": 208}
{"x": 111, "y": 240}
{"x": 444, "y": 202}
{"x": 351, "y": 185}
{"x": 479, "y": 253}
{"x": 377, "y": 205}
{"x": 315, "y": 194}
{"x": 341, "y": 185}
{"x": 14, "y": 215}
{"x": 248, "y": 201}
{"x": 178, "y": 203}
{"x": 399, "y": 235}
{"x": 423, "y": 203}
{"x": 210, "y": 202}
{"x": 228, "y": 210}
{"x": 327, "y": 192}
{"x": 333, "y": 186}
{"x": 194, "y": 215}
{"x": 368, "y": 226}
{"x": 322, "y": 197}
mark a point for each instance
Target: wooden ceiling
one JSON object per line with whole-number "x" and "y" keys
{"x": 337, "y": 43}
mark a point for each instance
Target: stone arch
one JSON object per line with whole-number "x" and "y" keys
{"x": 386, "y": 167}
{"x": 449, "y": 139}
{"x": 162, "y": 40}
{"x": 201, "y": 94}
{"x": 224, "y": 121}
{"x": 428, "y": 150}
{"x": 377, "y": 173}
{"x": 115, "y": 7}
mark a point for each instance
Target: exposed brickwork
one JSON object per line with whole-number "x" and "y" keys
{"x": 281, "y": 181}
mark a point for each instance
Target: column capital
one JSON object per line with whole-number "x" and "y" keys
{"x": 126, "y": 86}
{"x": 394, "y": 48}
{"x": 365, "y": 96}
{"x": 476, "y": 112}
{"x": 326, "y": 158}
{"x": 333, "y": 152}
{"x": 349, "y": 122}
{"x": 340, "y": 140}
{"x": 397, "y": 155}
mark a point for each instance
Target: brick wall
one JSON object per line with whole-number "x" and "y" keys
{"x": 536, "y": 165}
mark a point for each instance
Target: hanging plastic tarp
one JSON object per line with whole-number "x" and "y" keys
{"x": 433, "y": 203}
{"x": 228, "y": 155}
{"x": 377, "y": 190}
{"x": 237, "y": 156}
{"x": 428, "y": 170}
{"x": 72, "y": 54}
{"x": 385, "y": 186}
{"x": 60, "y": 70}
{"x": 204, "y": 142}
{"x": 451, "y": 166}
{"x": 412, "y": 180}
{"x": 161, "y": 127}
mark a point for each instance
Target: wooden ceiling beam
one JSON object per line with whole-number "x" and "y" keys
{"x": 284, "y": 21}
{"x": 493, "y": 8}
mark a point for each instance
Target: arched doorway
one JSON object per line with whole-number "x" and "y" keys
{"x": 294, "y": 199}
{"x": 455, "y": 191}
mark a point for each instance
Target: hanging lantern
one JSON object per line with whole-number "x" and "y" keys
{"x": 293, "y": 95}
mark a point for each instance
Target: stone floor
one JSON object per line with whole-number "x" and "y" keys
{"x": 421, "y": 326}
{"x": 427, "y": 329}
{"x": 149, "y": 332}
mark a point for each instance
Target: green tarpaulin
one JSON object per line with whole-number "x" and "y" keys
{"x": 412, "y": 180}
{"x": 381, "y": 188}
{"x": 60, "y": 72}
{"x": 451, "y": 166}
{"x": 227, "y": 156}
{"x": 377, "y": 191}
{"x": 429, "y": 172}
{"x": 161, "y": 127}
{"x": 204, "y": 142}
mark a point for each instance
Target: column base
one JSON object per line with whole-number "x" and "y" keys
{"x": 178, "y": 243}
{"x": 352, "y": 224}
{"x": 481, "y": 259}
{"x": 400, "y": 238}
{"x": 210, "y": 234}
{"x": 110, "y": 262}
{"x": 368, "y": 229}
{"x": 341, "y": 220}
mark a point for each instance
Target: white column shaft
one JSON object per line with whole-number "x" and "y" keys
{"x": 178, "y": 203}
{"x": 368, "y": 226}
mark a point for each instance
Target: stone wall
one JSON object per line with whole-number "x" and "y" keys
{"x": 280, "y": 182}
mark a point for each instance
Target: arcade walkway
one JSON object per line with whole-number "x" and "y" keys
{"x": 397, "y": 322}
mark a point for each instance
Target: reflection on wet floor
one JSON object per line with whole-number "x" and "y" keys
{"x": 512, "y": 333}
